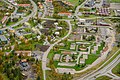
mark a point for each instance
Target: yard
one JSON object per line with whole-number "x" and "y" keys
{"x": 91, "y": 58}
{"x": 115, "y": 1}
{"x": 76, "y": 67}
{"x": 116, "y": 70}
{"x": 75, "y": 2}
{"x": 52, "y": 53}
{"x": 100, "y": 48}
{"x": 27, "y": 46}
{"x": 103, "y": 78}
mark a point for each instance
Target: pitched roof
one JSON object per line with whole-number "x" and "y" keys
{"x": 4, "y": 19}
{"x": 24, "y": 5}
{"x": 65, "y": 13}
{"x": 3, "y": 38}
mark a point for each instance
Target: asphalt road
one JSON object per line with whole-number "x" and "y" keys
{"x": 103, "y": 71}
{"x": 33, "y": 14}
{"x": 44, "y": 59}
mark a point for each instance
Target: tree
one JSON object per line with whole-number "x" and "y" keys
{"x": 38, "y": 78}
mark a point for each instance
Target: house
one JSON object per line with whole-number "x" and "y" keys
{"x": 40, "y": 5}
{"x": 45, "y": 31}
{"x": 90, "y": 3}
{"x": 105, "y": 3}
{"x": 3, "y": 40}
{"x": 19, "y": 35}
{"x": 23, "y": 5}
{"x": 50, "y": 7}
{"x": 104, "y": 32}
{"x": 84, "y": 53}
{"x": 68, "y": 3}
{"x": 38, "y": 37}
{"x": 81, "y": 21}
{"x": 103, "y": 11}
{"x": 57, "y": 33}
{"x": 37, "y": 55}
{"x": 68, "y": 58}
{"x": 85, "y": 56}
{"x": 11, "y": 30}
{"x": 1, "y": 32}
{"x": 66, "y": 52}
{"x": 48, "y": 0}
{"x": 117, "y": 12}
{"x": 24, "y": 66}
{"x": 65, "y": 14}
{"x": 4, "y": 19}
{"x": 72, "y": 46}
{"x": 82, "y": 61}
{"x": 105, "y": 49}
{"x": 59, "y": 28}
{"x": 40, "y": 14}
{"x": 56, "y": 57}
{"x": 23, "y": 53}
{"x": 117, "y": 39}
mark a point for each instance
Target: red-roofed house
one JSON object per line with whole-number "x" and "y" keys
{"x": 66, "y": 52}
{"x": 23, "y": 53}
{"x": 5, "y": 18}
{"x": 65, "y": 14}
{"x": 40, "y": 5}
{"x": 24, "y": 5}
{"x": 48, "y": 0}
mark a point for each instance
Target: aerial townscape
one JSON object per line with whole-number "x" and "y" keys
{"x": 59, "y": 39}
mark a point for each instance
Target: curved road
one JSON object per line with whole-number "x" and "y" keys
{"x": 44, "y": 59}
{"x": 33, "y": 14}
{"x": 103, "y": 71}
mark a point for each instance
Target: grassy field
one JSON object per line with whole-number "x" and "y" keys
{"x": 91, "y": 58}
{"x": 115, "y": 1}
{"x": 116, "y": 70}
{"x": 103, "y": 78}
{"x": 75, "y": 2}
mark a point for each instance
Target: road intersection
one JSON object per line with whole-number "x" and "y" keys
{"x": 44, "y": 59}
{"x": 104, "y": 71}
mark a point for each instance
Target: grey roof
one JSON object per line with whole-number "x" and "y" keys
{"x": 3, "y": 38}
{"x": 117, "y": 38}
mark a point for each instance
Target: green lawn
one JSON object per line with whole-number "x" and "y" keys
{"x": 9, "y": 23}
{"x": 100, "y": 48}
{"x": 76, "y": 67}
{"x": 75, "y": 2}
{"x": 28, "y": 46}
{"x": 103, "y": 78}
{"x": 116, "y": 70}
{"x": 51, "y": 54}
{"x": 114, "y": 1}
{"x": 3, "y": 77}
{"x": 91, "y": 58}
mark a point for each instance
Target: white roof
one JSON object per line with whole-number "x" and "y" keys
{"x": 3, "y": 38}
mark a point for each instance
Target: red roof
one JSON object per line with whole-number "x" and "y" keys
{"x": 48, "y": 0}
{"x": 4, "y": 19}
{"x": 65, "y": 13}
{"x": 66, "y": 52}
{"x": 105, "y": 49}
{"x": 24, "y": 5}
